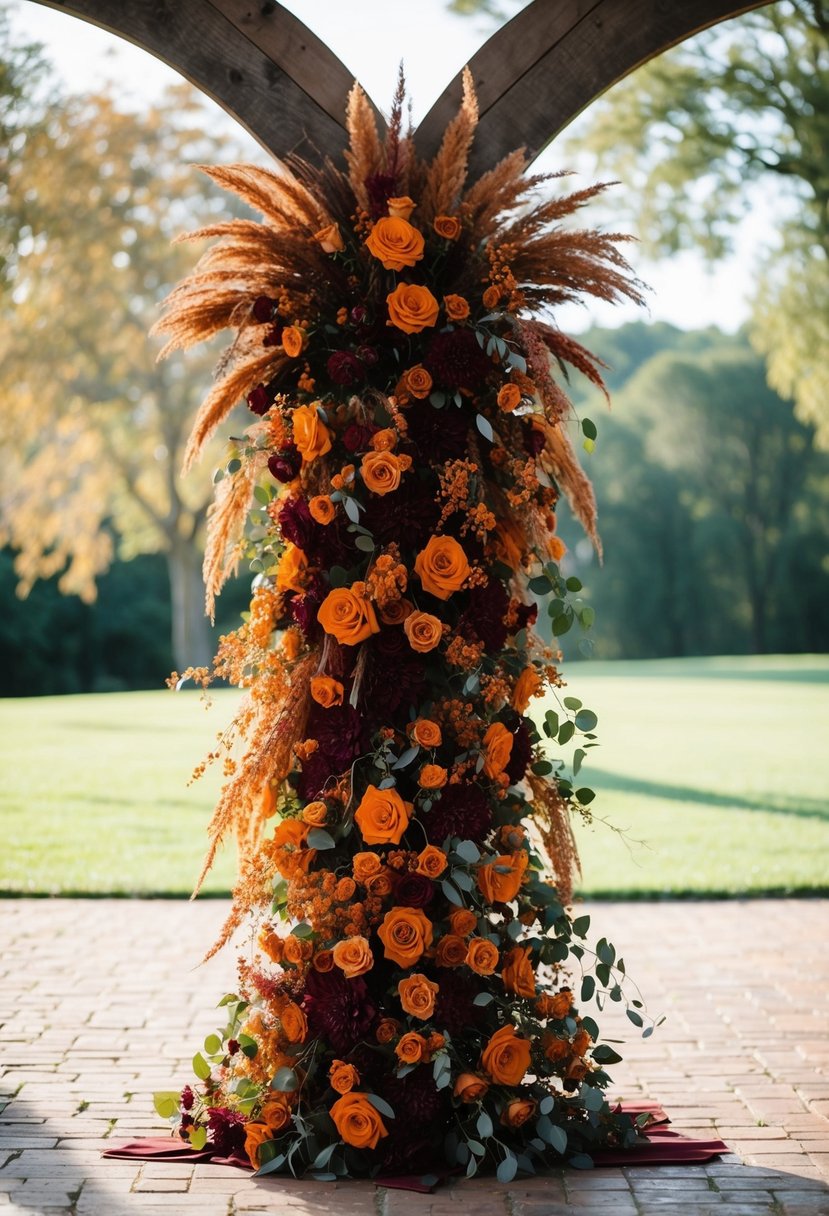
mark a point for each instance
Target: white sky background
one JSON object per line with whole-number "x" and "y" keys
{"x": 370, "y": 36}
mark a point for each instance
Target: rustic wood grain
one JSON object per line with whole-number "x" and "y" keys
{"x": 256, "y": 60}
{"x": 556, "y": 56}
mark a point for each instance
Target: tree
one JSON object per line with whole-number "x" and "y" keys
{"x": 690, "y": 134}
{"x": 93, "y": 429}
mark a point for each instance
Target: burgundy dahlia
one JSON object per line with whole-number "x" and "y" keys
{"x": 484, "y": 617}
{"x": 345, "y": 369}
{"x": 463, "y": 810}
{"x": 455, "y": 1006}
{"x": 439, "y": 434}
{"x": 457, "y": 361}
{"x": 338, "y": 1010}
{"x": 227, "y": 1130}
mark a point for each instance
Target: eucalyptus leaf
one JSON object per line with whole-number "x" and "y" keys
{"x": 318, "y": 838}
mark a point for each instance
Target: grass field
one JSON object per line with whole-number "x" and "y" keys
{"x": 714, "y": 774}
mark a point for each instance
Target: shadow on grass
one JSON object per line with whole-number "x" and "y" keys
{"x": 802, "y": 807}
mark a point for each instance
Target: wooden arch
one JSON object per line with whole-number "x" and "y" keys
{"x": 288, "y": 89}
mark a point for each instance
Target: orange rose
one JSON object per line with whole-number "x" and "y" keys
{"x": 529, "y": 684}
{"x": 293, "y": 565}
{"x": 555, "y": 1049}
{"x": 442, "y": 566}
{"x": 289, "y": 833}
{"x": 457, "y": 308}
{"x": 432, "y": 777}
{"x": 272, "y": 944}
{"x": 491, "y": 297}
{"x": 380, "y": 885}
{"x": 357, "y": 1121}
{"x": 581, "y": 1042}
{"x": 517, "y": 973}
{"x": 293, "y": 340}
{"x": 417, "y": 995}
{"x": 353, "y": 956}
{"x": 401, "y": 207}
{"x": 347, "y": 616}
{"x": 297, "y": 950}
{"x": 324, "y": 960}
{"x": 387, "y": 1029}
{"x": 463, "y": 921}
{"x": 501, "y": 888}
{"x": 426, "y": 733}
{"x": 384, "y": 440}
{"x": 436, "y": 1041}
{"x": 277, "y": 1113}
{"x": 469, "y": 1087}
{"x": 382, "y": 816}
{"x": 423, "y": 630}
{"x": 451, "y": 951}
{"x": 293, "y": 1023}
{"x": 343, "y": 1077}
{"x": 431, "y": 861}
{"x": 447, "y": 226}
{"x": 555, "y": 1005}
{"x": 406, "y": 934}
{"x": 482, "y": 956}
{"x": 518, "y": 1112}
{"x": 395, "y": 612}
{"x": 395, "y": 243}
{"x": 381, "y": 472}
{"x": 256, "y": 1134}
{"x": 330, "y": 239}
{"x": 311, "y": 435}
{"x": 418, "y": 382}
{"x": 364, "y": 865}
{"x": 412, "y": 308}
{"x": 412, "y": 1048}
{"x": 326, "y": 691}
{"x": 322, "y": 508}
{"x": 506, "y": 1057}
{"x": 498, "y": 744}
{"x": 509, "y": 397}
{"x": 315, "y": 814}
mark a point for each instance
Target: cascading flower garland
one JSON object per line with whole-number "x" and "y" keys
{"x": 406, "y": 855}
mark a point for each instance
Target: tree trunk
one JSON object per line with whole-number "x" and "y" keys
{"x": 192, "y": 644}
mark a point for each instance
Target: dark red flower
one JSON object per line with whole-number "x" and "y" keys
{"x": 274, "y": 336}
{"x": 462, "y": 810}
{"x": 338, "y": 1010}
{"x": 533, "y": 439}
{"x": 455, "y": 1009}
{"x": 484, "y": 616}
{"x": 263, "y": 308}
{"x": 380, "y": 187}
{"x": 227, "y": 1130}
{"x": 357, "y": 437}
{"x": 187, "y": 1098}
{"x": 368, "y": 355}
{"x": 521, "y": 746}
{"x": 440, "y": 434}
{"x": 259, "y": 400}
{"x": 345, "y": 369}
{"x": 285, "y": 465}
{"x": 457, "y": 361}
{"x": 413, "y": 890}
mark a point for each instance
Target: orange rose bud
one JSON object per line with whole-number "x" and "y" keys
{"x": 491, "y": 297}
{"x": 315, "y": 814}
{"x": 357, "y": 1121}
{"x": 345, "y": 889}
{"x": 518, "y": 1112}
{"x": 401, "y": 208}
{"x": 294, "y": 1025}
{"x": 412, "y": 1048}
{"x": 451, "y": 951}
{"x": 353, "y": 957}
{"x": 447, "y": 226}
{"x": 385, "y": 440}
{"x": 482, "y": 956}
{"x": 498, "y": 743}
{"x": 457, "y": 308}
{"x": 343, "y": 1077}
{"x": 442, "y": 567}
{"x": 418, "y": 382}
{"x": 277, "y": 1113}
{"x": 347, "y": 616}
{"x": 581, "y": 1042}
{"x": 387, "y": 1029}
{"x": 529, "y": 684}
{"x": 395, "y": 243}
{"x": 426, "y": 733}
{"x": 431, "y": 861}
{"x": 518, "y": 975}
{"x": 297, "y": 950}
{"x": 380, "y": 885}
{"x": 395, "y": 612}
{"x": 324, "y": 961}
{"x": 293, "y": 565}
{"x": 330, "y": 239}
{"x": 555, "y": 1049}
{"x": 557, "y": 1005}
{"x": 272, "y": 944}
{"x": 469, "y": 1087}
{"x": 509, "y": 397}
{"x": 311, "y": 435}
{"x": 406, "y": 934}
{"x": 256, "y": 1134}
{"x": 412, "y": 308}
{"x": 382, "y": 816}
{"x": 293, "y": 340}
{"x": 364, "y": 865}
{"x": 506, "y": 1057}
{"x": 501, "y": 888}
{"x": 463, "y": 921}
{"x": 417, "y": 996}
{"x": 423, "y": 630}
{"x": 432, "y": 777}
{"x": 326, "y": 691}
{"x": 381, "y": 472}
{"x": 322, "y": 508}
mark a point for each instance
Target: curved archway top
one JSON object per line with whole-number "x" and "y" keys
{"x": 289, "y": 90}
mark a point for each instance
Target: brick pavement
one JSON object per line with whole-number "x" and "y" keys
{"x": 100, "y": 1005}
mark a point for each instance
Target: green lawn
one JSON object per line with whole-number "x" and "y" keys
{"x": 714, "y": 771}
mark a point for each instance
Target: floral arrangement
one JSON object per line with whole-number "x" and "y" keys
{"x": 406, "y": 854}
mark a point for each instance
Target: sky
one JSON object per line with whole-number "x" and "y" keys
{"x": 684, "y": 290}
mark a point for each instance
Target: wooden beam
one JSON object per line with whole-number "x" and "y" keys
{"x": 554, "y": 58}
{"x": 254, "y": 58}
